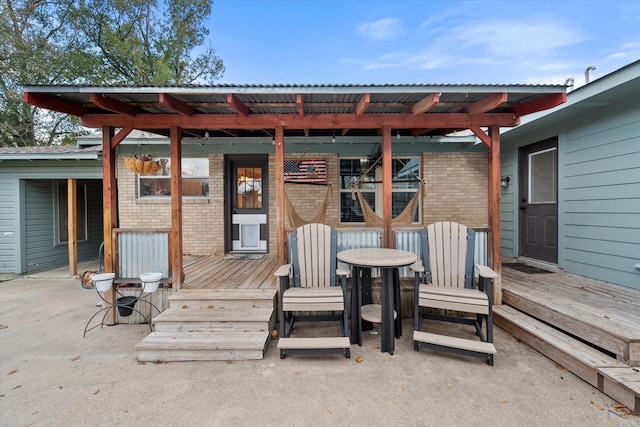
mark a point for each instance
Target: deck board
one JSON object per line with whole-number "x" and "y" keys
{"x": 217, "y": 272}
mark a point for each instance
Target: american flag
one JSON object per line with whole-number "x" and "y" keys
{"x": 312, "y": 171}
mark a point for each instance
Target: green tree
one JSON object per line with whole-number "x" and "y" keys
{"x": 33, "y": 36}
{"x": 100, "y": 42}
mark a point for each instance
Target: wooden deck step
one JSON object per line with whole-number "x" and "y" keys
{"x": 611, "y": 327}
{"x": 189, "y": 346}
{"x": 215, "y": 320}
{"x": 579, "y": 358}
{"x": 325, "y": 345}
{"x": 227, "y": 298}
{"x": 454, "y": 342}
{"x": 622, "y": 384}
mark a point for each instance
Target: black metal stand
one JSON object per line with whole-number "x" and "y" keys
{"x": 121, "y": 304}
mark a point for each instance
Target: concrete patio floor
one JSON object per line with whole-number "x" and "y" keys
{"x": 50, "y": 375}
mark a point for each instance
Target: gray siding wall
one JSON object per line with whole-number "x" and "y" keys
{"x": 599, "y": 193}
{"x": 27, "y": 197}
{"x": 9, "y": 225}
{"x": 42, "y": 249}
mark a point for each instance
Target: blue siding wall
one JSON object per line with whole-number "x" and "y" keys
{"x": 599, "y": 192}
{"x": 600, "y": 197}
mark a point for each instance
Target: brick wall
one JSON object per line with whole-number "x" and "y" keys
{"x": 305, "y": 198}
{"x": 456, "y": 188}
{"x": 202, "y": 218}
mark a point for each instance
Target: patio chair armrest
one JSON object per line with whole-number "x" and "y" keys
{"x": 343, "y": 269}
{"x": 486, "y": 272}
{"x": 417, "y": 267}
{"x": 283, "y": 270}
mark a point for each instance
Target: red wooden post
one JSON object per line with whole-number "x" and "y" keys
{"x": 175, "y": 240}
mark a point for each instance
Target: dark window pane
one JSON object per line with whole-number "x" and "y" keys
{"x": 350, "y": 210}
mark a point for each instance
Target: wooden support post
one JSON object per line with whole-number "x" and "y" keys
{"x": 110, "y": 209}
{"x": 175, "y": 238}
{"x": 72, "y": 226}
{"x": 494, "y": 211}
{"x": 280, "y": 231}
{"x": 386, "y": 188}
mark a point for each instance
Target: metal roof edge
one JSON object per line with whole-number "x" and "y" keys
{"x": 607, "y": 82}
{"x": 295, "y": 89}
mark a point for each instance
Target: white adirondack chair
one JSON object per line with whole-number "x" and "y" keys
{"x": 315, "y": 294}
{"x": 446, "y": 282}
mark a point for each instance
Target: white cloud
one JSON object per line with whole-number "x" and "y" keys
{"x": 512, "y": 38}
{"x": 382, "y": 29}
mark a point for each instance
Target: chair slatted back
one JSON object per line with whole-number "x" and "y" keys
{"x": 313, "y": 255}
{"x": 447, "y": 253}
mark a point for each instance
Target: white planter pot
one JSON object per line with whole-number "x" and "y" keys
{"x": 150, "y": 281}
{"x": 103, "y": 281}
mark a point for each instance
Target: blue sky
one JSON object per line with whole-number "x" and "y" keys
{"x": 422, "y": 42}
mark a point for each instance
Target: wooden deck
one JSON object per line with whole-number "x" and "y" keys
{"x": 230, "y": 272}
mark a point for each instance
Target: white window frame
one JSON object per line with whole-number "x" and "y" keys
{"x": 186, "y": 174}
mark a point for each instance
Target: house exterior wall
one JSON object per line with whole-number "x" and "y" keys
{"x": 456, "y": 190}
{"x": 598, "y": 191}
{"x": 27, "y": 214}
{"x": 202, "y": 218}
{"x": 10, "y": 213}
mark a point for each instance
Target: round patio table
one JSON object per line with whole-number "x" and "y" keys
{"x": 388, "y": 261}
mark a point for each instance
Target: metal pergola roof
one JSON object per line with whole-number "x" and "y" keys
{"x": 318, "y": 109}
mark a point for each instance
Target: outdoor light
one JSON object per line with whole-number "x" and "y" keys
{"x": 398, "y": 134}
{"x": 504, "y": 182}
{"x": 333, "y": 138}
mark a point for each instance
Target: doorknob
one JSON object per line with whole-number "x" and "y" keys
{"x": 523, "y": 205}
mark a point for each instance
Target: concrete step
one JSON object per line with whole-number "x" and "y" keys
{"x": 215, "y": 320}
{"x": 223, "y": 298}
{"x": 191, "y": 346}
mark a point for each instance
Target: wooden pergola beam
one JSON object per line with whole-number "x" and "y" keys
{"x": 387, "y": 176}
{"x": 237, "y": 105}
{"x": 109, "y": 209}
{"x": 111, "y": 104}
{"x": 425, "y": 104}
{"x": 540, "y": 104}
{"x": 363, "y": 104}
{"x": 175, "y": 243}
{"x": 176, "y": 105}
{"x": 299, "y": 105}
{"x": 54, "y": 104}
{"x": 486, "y": 140}
{"x": 315, "y": 121}
{"x": 487, "y": 104}
{"x": 495, "y": 253}
{"x": 280, "y": 230}
{"x": 120, "y": 136}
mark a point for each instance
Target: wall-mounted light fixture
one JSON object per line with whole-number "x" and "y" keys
{"x": 504, "y": 181}
{"x": 333, "y": 136}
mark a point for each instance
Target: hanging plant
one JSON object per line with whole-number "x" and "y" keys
{"x": 143, "y": 164}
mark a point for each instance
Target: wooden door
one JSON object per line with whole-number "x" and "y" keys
{"x": 538, "y": 197}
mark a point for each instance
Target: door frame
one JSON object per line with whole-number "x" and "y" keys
{"x": 232, "y": 161}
